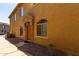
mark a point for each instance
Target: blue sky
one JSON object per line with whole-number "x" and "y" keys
{"x": 5, "y": 10}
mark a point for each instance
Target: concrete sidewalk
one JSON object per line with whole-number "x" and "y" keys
{"x": 8, "y": 49}
{"x": 17, "y": 47}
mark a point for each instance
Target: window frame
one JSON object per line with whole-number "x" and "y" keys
{"x": 14, "y": 17}
{"x": 42, "y": 24}
{"x": 42, "y": 36}
{"x": 21, "y": 11}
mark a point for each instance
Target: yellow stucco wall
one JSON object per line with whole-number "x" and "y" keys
{"x": 63, "y": 25}
{"x": 12, "y": 26}
{"x": 20, "y": 20}
{"x": 40, "y": 13}
{"x": 16, "y": 25}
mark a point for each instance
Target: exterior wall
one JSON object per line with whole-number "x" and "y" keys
{"x": 40, "y": 12}
{"x": 12, "y": 26}
{"x": 63, "y": 25}
{"x": 20, "y": 20}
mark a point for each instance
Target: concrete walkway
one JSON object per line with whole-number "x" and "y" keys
{"x": 8, "y": 49}
{"x": 17, "y": 47}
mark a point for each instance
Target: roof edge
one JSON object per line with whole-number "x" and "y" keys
{"x": 14, "y": 9}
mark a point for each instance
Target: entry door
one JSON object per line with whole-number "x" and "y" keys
{"x": 28, "y": 31}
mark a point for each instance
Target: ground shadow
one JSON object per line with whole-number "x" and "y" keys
{"x": 35, "y": 49}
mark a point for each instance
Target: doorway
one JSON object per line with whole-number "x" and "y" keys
{"x": 28, "y": 31}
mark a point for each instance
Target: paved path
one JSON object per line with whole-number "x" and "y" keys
{"x": 8, "y": 49}
{"x": 17, "y": 47}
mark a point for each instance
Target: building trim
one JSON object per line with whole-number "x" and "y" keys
{"x": 43, "y": 37}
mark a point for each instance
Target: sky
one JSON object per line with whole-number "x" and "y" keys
{"x": 5, "y": 11}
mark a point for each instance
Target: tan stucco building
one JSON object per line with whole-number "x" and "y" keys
{"x": 45, "y": 24}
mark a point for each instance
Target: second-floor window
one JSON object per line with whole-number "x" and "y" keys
{"x": 21, "y": 11}
{"x": 14, "y": 17}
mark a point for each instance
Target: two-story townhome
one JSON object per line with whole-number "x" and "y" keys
{"x": 47, "y": 24}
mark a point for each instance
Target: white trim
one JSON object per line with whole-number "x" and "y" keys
{"x": 44, "y": 37}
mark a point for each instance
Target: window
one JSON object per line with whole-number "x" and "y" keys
{"x": 14, "y": 17}
{"x": 42, "y": 28}
{"x": 22, "y": 11}
{"x": 21, "y": 31}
